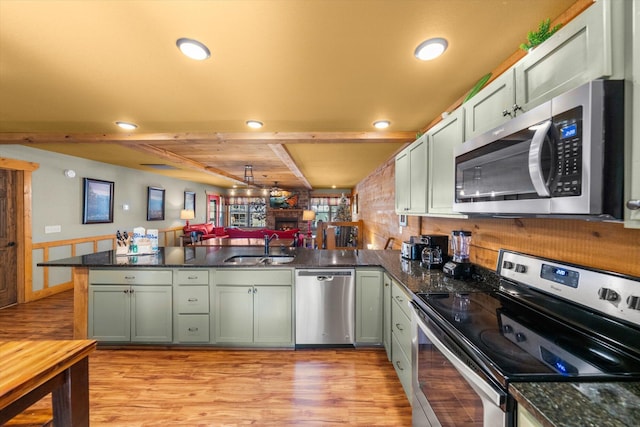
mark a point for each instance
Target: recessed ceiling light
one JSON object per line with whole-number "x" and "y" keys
{"x": 431, "y": 49}
{"x": 381, "y": 124}
{"x": 254, "y": 124}
{"x": 193, "y": 49}
{"x": 127, "y": 125}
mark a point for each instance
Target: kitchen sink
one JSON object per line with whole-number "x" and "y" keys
{"x": 259, "y": 259}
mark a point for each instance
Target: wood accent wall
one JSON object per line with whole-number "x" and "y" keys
{"x": 603, "y": 245}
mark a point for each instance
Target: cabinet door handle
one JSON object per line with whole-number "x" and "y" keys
{"x": 249, "y": 291}
{"x": 126, "y": 291}
{"x": 633, "y": 205}
{"x": 399, "y": 299}
{"x": 193, "y": 329}
{"x": 506, "y": 113}
{"x": 192, "y": 299}
{"x": 192, "y": 277}
{"x": 398, "y": 365}
{"x": 255, "y": 290}
{"x": 398, "y": 327}
{"x": 129, "y": 277}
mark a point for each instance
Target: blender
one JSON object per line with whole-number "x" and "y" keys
{"x": 459, "y": 267}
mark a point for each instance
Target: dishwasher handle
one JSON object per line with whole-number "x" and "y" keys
{"x": 324, "y": 278}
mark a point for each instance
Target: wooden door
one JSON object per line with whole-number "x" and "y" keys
{"x": 8, "y": 250}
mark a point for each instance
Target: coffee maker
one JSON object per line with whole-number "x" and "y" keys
{"x": 434, "y": 253}
{"x": 459, "y": 267}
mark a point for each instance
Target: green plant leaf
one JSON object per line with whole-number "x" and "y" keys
{"x": 477, "y": 87}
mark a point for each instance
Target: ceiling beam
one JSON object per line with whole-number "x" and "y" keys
{"x": 216, "y": 137}
{"x": 285, "y": 157}
{"x": 182, "y": 161}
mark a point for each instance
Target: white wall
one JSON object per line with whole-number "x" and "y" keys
{"x": 58, "y": 200}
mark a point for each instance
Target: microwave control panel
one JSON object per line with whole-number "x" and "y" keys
{"x": 567, "y": 176}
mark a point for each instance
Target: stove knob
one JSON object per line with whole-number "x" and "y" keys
{"x": 507, "y": 265}
{"x": 521, "y": 268}
{"x": 633, "y": 302}
{"x": 520, "y": 337}
{"x": 608, "y": 294}
{"x": 507, "y": 329}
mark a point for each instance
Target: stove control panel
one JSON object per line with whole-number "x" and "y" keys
{"x": 613, "y": 294}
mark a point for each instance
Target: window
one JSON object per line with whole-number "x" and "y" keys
{"x": 330, "y": 209}
{"x": 247, "y": 212}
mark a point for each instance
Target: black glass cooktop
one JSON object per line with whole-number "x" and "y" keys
{"x": 519, "y": 342}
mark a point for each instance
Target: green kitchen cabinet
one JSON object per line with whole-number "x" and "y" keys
{"x": 442, "y": 139}
{"x": 369, "y": 306}
{"x": 632, "y": 178}
{"x": 121, "y": 313}
{"x": 130, "y": 306}
{"x": 411, "y": 178}
{"x": 192, "y": 302}
{"x": 254, "y": 307}
{"x": 386, "y": 314}
{"x": 588, "y": 47}
{"x": 401, "y": 336}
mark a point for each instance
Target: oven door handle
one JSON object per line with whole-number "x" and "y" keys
{"x": 497, "y": 397}
{"x": 535, "y": 159}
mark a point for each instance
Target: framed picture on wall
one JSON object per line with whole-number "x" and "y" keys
{"x": 98, "y": 201}
{"x": 155, "y": 204}
{"x": 190, "y": 201}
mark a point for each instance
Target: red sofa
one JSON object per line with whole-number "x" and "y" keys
{"x": 233, "y": 232}
{"x": 208, "y": 231}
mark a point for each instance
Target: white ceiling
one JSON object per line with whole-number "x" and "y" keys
{"x": 318, "y": 73}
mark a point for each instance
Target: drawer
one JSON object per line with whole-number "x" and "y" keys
{"x": 131, "y": 277}
{"x": 262, "y": 276}
{"x": 192, "y": 299}
{"x": 401, "y": 327}
{"x": 193, "y": 328}
{"x": 399, "y": 296}
{"x": 402, "y": 365}
{"x": 193, "y": 277}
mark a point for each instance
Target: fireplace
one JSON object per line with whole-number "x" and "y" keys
{"x": 285, "y": 223}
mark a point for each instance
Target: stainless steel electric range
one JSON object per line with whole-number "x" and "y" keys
{"x": 547, "y": 321}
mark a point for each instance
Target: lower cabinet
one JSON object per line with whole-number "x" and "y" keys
{"x": 369, "y": 306}
{"x": 386, "y": 314}
{"x": 192, "y": 306}
{"x": 401, "y": 334}
{"x": 130, "y": 313}
{"x": 254, "y": 307}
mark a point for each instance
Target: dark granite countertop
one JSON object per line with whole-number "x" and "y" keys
{"x": 553, "y": 404}
{"x": 581, "y": 404}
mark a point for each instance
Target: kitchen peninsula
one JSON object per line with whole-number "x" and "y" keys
{"x": 194, "y": 258}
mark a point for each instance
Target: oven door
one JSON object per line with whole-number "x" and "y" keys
{"x": 447, "y": 391}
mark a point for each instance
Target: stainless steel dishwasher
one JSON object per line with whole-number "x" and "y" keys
{"x": 325, "y": 304}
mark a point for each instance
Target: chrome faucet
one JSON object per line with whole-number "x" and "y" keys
{"x": 268, "y": 240}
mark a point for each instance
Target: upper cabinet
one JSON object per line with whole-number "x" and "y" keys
{"x": 442, "y": 139}
{"x": 587, "y": 48}
{"x": 411, "y": 178}
{"x": 632, "y": 183}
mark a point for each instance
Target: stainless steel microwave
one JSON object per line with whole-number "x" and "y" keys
{"x": 564, "y": 157}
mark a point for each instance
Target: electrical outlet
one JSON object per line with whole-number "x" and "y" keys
{"x": 52, "y": 229}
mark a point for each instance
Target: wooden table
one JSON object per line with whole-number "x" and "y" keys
{"x": 29, "y": 370}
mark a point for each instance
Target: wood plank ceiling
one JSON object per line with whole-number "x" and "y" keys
{"x": 317, "y": 73}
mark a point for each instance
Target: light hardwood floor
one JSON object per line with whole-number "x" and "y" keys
{"x": 158, "y": 387}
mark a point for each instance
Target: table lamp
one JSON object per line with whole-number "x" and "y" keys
{"x": 308, "y": 216}
{"x": 187, "y": 214}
